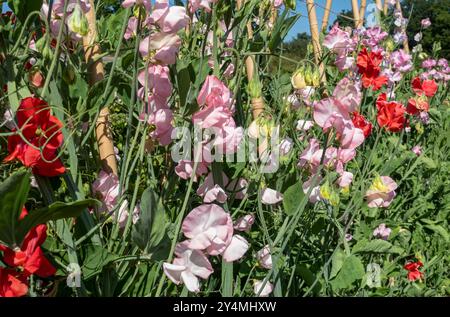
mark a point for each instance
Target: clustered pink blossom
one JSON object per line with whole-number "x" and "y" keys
{"x": 372, "y": 36}
{"x": 159, "y": 50}
{"x": 210, "y": 231}
{"x": 341, "y": 43}
{"x": 438, "y": 70}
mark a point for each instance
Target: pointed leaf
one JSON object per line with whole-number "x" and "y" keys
{"x": 13, "y": 195}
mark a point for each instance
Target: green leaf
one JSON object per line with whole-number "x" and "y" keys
{"x": 376, "y": 246}
{"x": 151, "y": 226}
{"x": 336, "y": 262}
{"x": 55, "y": 211}
{"x": 22, "y": 8}
{"x": 439, "y": 230}
{"x": 13, "y": 195}
{"x": 97, "y": 257}
{"x": 292, "y": 198}
{"x": 352, "y": 270}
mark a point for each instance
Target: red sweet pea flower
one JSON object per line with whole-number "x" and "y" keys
{"x": 12, "y": 284}
{"x": 391, "y": 115}
{"x": 369, "y": 67}
{"x": 413, "y": 268}
{"x": 417, "y": 105}
{"x": 427, "y": 87}
{"x": 30, "y": 257}
{"x": 362, "y": 123}
{"x": 43, "y": 131}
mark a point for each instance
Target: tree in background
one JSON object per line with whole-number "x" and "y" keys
{"x": 343, "y": 19}
{"x": 439, "y": 13}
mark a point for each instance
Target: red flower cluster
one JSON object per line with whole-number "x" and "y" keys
{"x": 359, "y": 121}
{"x": 413, "y": 268}
{"x": 42, "y": 132}
{"x": 427, "y": 88}
{"x": 30, "y": 260}
{"x": 369, "y": 67}
{"x": 391, "y": 114}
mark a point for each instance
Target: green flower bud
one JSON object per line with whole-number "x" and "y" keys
{"x": 298, "y": 79}
{"x": 78, "y": 22}
{"x": 254, "y": 88}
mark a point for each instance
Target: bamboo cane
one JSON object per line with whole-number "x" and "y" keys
{"x": 355, "y": 9}
{"x": 257, "y": 103}
{"x": 313, "y": 26}
{"x": 386, "y": 6}
{"x": 326, "y": 16}
{"x": 362, "y": 12}
{"x": 405, "y": 42}
{"x": 95, "y": 74}
{"x": 379, "y": 5}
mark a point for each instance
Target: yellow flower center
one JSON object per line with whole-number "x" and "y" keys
{"x": 379, "y": 186}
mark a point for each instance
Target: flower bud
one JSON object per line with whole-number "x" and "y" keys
{"x": 69, "y": 74}
{"x": 254, "y": 88}
{"x": 298, "y": 79}
{"x": 36, "y": 78}
{"x": 78, "y": 22}
{"x": 390, "y": 45}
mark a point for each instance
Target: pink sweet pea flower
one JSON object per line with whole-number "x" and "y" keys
{"x": 235, "y": 249}
{"x": 348, "y": 94}
{"x": 304, "y": 125}
{"x": 314, "y": 196}
{"x": 277, "y": 3}
{"x": 345, "y": 179}
{"x": 238, "y": 187}
{"x": 209, "y": 228}
{"x": 382, "y": 232}
{"x": 417, "y": 150}
{"x": 161, "y": 119}
{"x": 131, "y": 28}
{"x": 382, "y": 192}
{"x": 106, "y": 189}
{"x": 244, "y": 223}
{"x": 194, "y": 5}
{"x": 307, "y": 154}
{"x": 262, "y": 291}
{"x": 425, "y": 23}
{"x": 228, "y": 139}
{"x": 187, "y": 267}
{"x": 170, "y": 19}
{"x": 338, "y": 40}
{"x": 129, "y": 3}
{"x": 185, "y": 168}
{"x": 211, "y": 191}
{"x": 286, "y": 146}
{"x": 158, "y": 81}
{"x": 270, "y": 196}
{"x": 214, "y": 92}
{"x": 264, "y": 257}
{"x": 164, "y": 45}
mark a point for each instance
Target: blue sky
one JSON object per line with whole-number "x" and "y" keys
{"x": 302, "y": 24}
